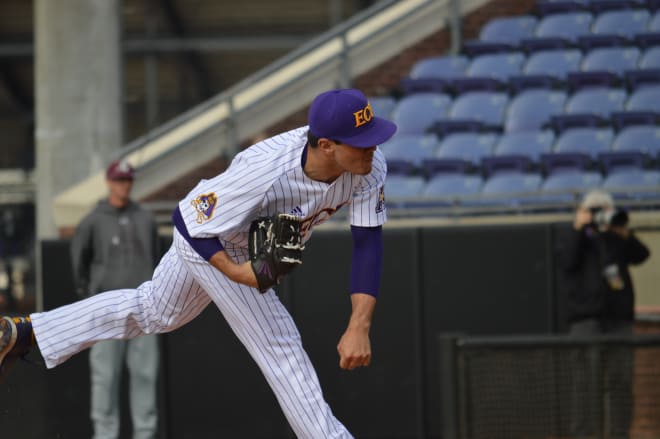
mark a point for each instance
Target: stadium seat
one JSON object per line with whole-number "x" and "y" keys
{"x": 633, "y": 184}
{"x": 599, "y": 6}
{"x": 489, "y": 71}
{"x": 650, "y": 59}
{"x": 434, "y": 74}
{"x": 643, "y": 138}
{"x": 644, "y": 99}
{"x": 588, "y": 141}
{"x": 600, "y": 101}
{"x": 648, "y": 69}
{"x": 611, "y": 59}
{"x": 547, "y": 7}
{"x": 546, "y": 69}
{"x": 497, "y": 65}
{"x": 414, "y": 114}
{"x": 488, "y": 108}
{"x": 496, "y": 164}
{"x": 510, "y": 189}
{"x": 604, "y": 66}
{"x": 443, "y": 67}
{"x": 508, "y": 29}
{"x": 567, "y": 187}
{"x": 555, "y": 63}
{"x": 567, "y": 26}
{"x": 654, "y": 23}
{"x": 532, "y": 109}
{"x": 612, "y": 161}
{"x": 469, "y": 147}
{"x": 382, "y": 106}
{"x": 453, "y": 186}
{"x": 405, "y": 152}
{"x": 625, "y": 22}
{"x": 577, "y": 181}
{"x": 402, "y": 186}
{"x": 530, "y": 144}
{"x": 557, "y": 162}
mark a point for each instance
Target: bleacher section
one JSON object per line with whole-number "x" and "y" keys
{"x": 538, "y": 109}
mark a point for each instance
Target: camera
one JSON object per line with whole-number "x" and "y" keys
{"x": 602, "y": 218}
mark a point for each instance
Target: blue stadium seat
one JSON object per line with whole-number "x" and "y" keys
{"x": 485, "y": 107}
{"x": 611, "y": 59}
{"x": 645, "y": 99}
{"x": 587, "y": 141}
{"x": 382, "y": 105}
{"x": 414, "y": 114}
{"x": 605, "y": 66}
{"x": 600, "y": 101}
{"x": 546, "y": 69}
{"x": 650, "y": 59}
{"x": 469, "y": 147}
{"x": 568, "y": 26}
{"x": 443, "y": 67}
{"x": 642, "y": 138}
{"x": 434, "y": 74}
{"x": 403, "y": 186}
{"x": 547, "y": 7}
{"x": 453, "y": 186}
{"x": 532, "y": 109}
{"x": 555, "y": 63}
{"x": 599, "y": 6}
{"x": 626, "y": 22}
{"x": 490, "y": 71}
{"x": 530, "y": 144}
{"x": 508, "y": 29}
{"x": 510, "y": 189}
{"x": 405, "y": 152}
{"x": 648, "y": 69}
{"x": 567, "y": 187}
{"x": 576, "y": 181}
{"x": 633, "y": 184}
{"x": 654, "y": 24}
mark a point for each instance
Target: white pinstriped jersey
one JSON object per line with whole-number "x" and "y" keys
{"x": 268, "y": 178}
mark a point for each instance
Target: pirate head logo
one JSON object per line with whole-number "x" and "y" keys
{"x": 380, "y": 205}
{"x": 204, "y": 206}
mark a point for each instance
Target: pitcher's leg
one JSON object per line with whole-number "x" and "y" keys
{"x": 268, "y": 332}
{"x": 106, "y": 360}
{"x": 163, "y": 304}
{"x": 142, "y": 358}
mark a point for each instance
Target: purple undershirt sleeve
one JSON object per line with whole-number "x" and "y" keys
{"x": 367, "y": 262}
{"x": 205, "y": 247}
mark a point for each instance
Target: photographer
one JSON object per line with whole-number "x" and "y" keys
{"x": 594, "y": 260}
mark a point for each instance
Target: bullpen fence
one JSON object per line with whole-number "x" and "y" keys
{"x": 550, "y": 387}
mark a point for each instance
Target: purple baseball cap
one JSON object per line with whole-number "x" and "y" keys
{"x": 345, "y": 115}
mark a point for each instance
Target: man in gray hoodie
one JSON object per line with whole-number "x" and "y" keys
{"x": 116, "y": 246}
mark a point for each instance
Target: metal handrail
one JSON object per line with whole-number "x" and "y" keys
{"x": 245, "y": 84}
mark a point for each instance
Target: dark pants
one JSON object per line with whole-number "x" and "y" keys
{"x": 601, "y": 400}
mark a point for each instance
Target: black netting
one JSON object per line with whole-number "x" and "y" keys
{"x": 595, "y": 391}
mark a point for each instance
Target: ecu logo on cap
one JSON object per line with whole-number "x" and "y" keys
{"x": 363, "y": 116}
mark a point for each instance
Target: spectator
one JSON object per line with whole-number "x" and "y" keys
{"x": 114, "y": 247}
{"x": 595, "y": 261}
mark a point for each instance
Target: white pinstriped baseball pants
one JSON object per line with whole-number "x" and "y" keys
{"x": 183, "y": 285}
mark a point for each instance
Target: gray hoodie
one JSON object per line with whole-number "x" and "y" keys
{"x": 114, "y": 248}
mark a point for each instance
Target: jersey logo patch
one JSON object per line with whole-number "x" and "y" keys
{"x": 204, "y": 206}
{"x": 380, "y": 205}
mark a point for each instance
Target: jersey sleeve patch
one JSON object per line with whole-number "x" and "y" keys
{"x": 205, "y": 205}
{"x": 380, "y": 205}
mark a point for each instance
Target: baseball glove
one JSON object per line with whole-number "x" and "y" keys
{"x": 275, "y": 248}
